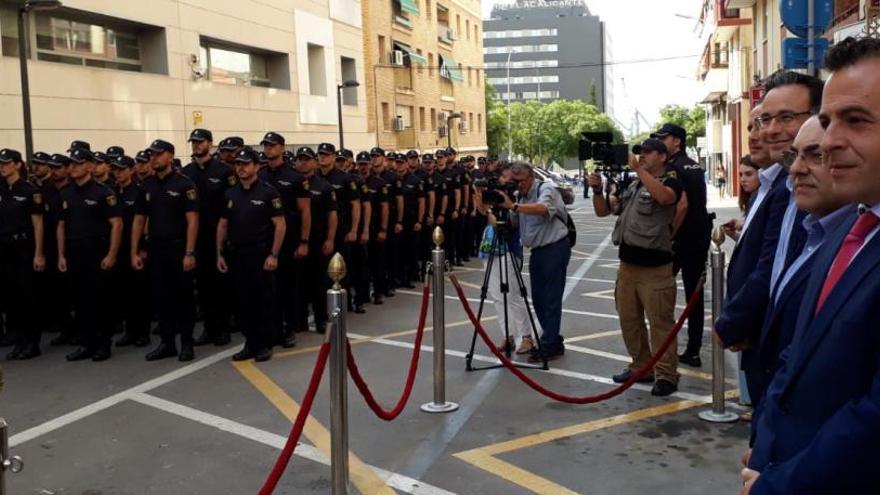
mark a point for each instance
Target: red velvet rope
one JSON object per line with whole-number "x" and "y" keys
{"x": 410, "y": 378}
{"x": 297, "y": 429}
{"x": 565, "y": 398}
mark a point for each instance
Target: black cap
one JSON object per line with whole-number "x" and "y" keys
{"x": 492, "y": 158}
{"x": 262, "y": 157}
{"x": 143, "y": 156}
{"x": 326, "y": 149}
{"x": 75, "y": 145}
{"x": 652, "y": 144}
{"x": 123, "y": 161}
{"x": 288, "y": 155}
{"x": 347, "y": 152}
{"x": 340, "y": 155}
{"x": 363, "y": 157}
{"x": 428, "y": 157}
{"x": 160, "y": 146}
{"x": 59, "y": 160}
{"x": 481, "y": 159}
{"x": 377, "y": 151}
{"x": 247, "y": 155}
{"x": 101, "y": 157}
{"x": 9, "y": 155}
{"x": 201, "y": 135}
{"x": 451, "y": 151}
{"x": 115, "y": 151}
{"x": 670, "y": 130}
{"x": 273, "y": 138}
{"x": 41, "y": 158}
{"x": 81, "y": 155}
{"x": 440, "y": 153}
{"x": 412, "y": 154}
{"x": 399, "y": 157}
{"x": 469, "y": 158}
{"x": 231, "y": 143}
{"x": 305, "y": 151}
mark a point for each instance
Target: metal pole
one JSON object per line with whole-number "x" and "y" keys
{"x": 336, "y": 305}
{"x": 509, "y": 136}
{"x": 25, "y": 88}
{"x": 339, "y": 110}
{"x": 12, "y": 464}
{"x": 717, "y": 414}
{"x": 811, "y": 37}
{"x": 438, "y": 261}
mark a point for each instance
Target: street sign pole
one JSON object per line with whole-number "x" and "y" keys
{"x": 811, "y": 37}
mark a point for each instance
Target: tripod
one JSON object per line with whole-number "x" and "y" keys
{"x": 501, "y": 244}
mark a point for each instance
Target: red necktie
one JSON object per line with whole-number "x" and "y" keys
{"x": 851, "y": 245}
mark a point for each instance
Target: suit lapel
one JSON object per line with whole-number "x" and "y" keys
{"x": 797, "y": 279}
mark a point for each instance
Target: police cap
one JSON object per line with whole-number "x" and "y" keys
{"x": 306, "y": 152}
{"x": 41, "y": 158}
{"x": 670, "y": 130}
{"x": 101, "y": 157}
{"x": 75, "y": 145}
{"x": 651, "y": 144}
{"x": 347, "y": 152}
{"x": 273, "y": 138}
{"x": 399, "y": 157}
{"x": 9, "y": 156}
{"x": 326, "y": 149}
{"x": 412, "y": 154}
{"x": 201, "y": 135}
{"x": 143, "y": 156}
{"x": 377, "y": 151}
{"x": 115, "y": 151}
{"x": 451, "y": 151}
{"x": 59, "y": 160}
{"x": 428, "y": 157}
{"x": 440, "y": 153}
{"x": 81, "y": 155}
{"x": 231, "y": 143}
{"x": 481, "y": 160}
{"x": 247, "y": 155}
{"x": 123, "y": 162}
{"x": 363, "y": 157}
{"x": 340, "y": 156}
{"x": 161, "y": 146}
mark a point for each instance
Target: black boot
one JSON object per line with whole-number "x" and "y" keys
{"x": 126, "y": 340}
{"x": 289, "y": 339}
{"x": 186, "y": 352}
{"x": 243, "y": 355}
{"x": 29, "y": 351}
{"x": 15, "y": 353}
{"x": 204, "y": 338}
{"x": 263, "y": 354}
{"x": 222, "y": 339}
{"x": 101, "y": 354}
{"x": 80, "y": 354}
{"x": 164, "y": 350}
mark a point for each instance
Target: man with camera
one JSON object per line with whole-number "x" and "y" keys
{"x": 541, "y": 216}
{"x": 645, "y": 283}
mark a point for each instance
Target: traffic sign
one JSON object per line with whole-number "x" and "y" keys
{"x": 795, "y": 18}
{"x": 794, "y": 53}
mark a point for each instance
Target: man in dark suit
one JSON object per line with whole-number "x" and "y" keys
{"x": 821, "y": 417}
{"x": 791, "y": 99}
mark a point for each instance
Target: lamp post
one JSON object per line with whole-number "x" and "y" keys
{"x": 509, "y": 136}
{"x": 453, "y": 115}
{"x": 339, "y": 88}
{"x": 29, "y": 5}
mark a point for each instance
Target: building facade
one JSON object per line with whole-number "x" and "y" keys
{"x": 128, "y": 72}
{"x": 424, "y": 86}
{"x": 553, "y": 49}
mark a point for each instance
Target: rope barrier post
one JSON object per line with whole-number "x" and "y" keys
{"x": 12, "y": 464}
{"x": 438, "y": 264}
{"x": 336, "y": 306}
{"x": 717, "y": 414}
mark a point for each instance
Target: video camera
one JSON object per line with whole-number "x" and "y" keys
{"x": 491, "y": 186}
{"x": 610, "y": 158}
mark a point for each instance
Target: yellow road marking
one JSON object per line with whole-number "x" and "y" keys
{"x": 367, "y": 481}
{"x": 513, "y": 474}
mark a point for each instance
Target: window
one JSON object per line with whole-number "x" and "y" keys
{"x": 470, "y": 75}
{"x": 430, "y": 64}
{"x": 471, "y": 121}
{"x": 420, "y": 68}
{"x": 520, "y": 33}
{"x": 457, "y": 23}
{"x": 401, "y": 10}
{"x": 228, "y": 65}
{"x": 8, "y": 30}
{"x": 449, "y": 69}
{"x": 524, "y": 80}
{"x": 476, "y": 33}
{"x": 349, "y": 73}
{"x": 382, "y": 50}
{"x": 317, "y": 71}
{"x": 421, "y": 118}
{"x": 386, "y": 117}
{"x": 521, "y": 49}
{"x": 523, "y": 64}
{"x": 428, "y": 9}
{"x": 479, "y": 123}
{"x": 433, "y": 119}
{"x": 405, "y": 112}
{"x": 467, "y": 29}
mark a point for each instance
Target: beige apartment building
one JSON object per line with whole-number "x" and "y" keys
{"x": 126, "y": 72}
{"x": 424, "y": 82}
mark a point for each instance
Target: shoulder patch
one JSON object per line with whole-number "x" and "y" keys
{"x": 365, "y": 189}
{"x": 276, "y": 203}
{"x": 64, "y": 205}
{"x": 306, "y": 184}
{"x": 385, "y": 189}
{"x": 354, "y": 186}
{"x": 333, "y": 195}
{"x": 111, "y": 200}
{"x": 229, "y": 204}
{"x": 399, "y": 183}
{"x": 38, "y": 199}
{"x": 191, "y": 194}
{"x": 231, "y": 180}
{"x": 147, "y": 196}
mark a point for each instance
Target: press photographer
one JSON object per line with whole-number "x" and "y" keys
{"x": 645, "y": 283}
{"x": 543, "y": 224}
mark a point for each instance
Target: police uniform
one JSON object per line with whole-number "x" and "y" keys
{"x": 377, "y": 193}
{"x": 466, "y": 239}
{"x": 479, "y": 220}
{"x": 360, "y": 269}
{"x": 413, "y": 193}
{"x": 346, "y": 191}
{"x": 423, "y": 247}
{"x": 249, "y": 213}
{"x": 212, "y": 179}
{"x": 166, "y": 202}
{"x": 87, "y": 212}
{"x": 19, "y": 203}
{"x": 451, "y": 226}
{"x": 392, "y": 244}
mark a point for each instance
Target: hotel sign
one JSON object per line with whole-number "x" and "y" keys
{"x": 537, "y": 4}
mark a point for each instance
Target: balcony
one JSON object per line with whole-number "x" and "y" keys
{"x": 714, "y": 85}
{"x": 445, "y": 35}
{"x": 739, "y": 4}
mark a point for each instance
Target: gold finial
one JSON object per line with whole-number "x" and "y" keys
{"x": 718, "y": 236}
{"x": 438, "y": 236}
{"x": 336, "y": 270}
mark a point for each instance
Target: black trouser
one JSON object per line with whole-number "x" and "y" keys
{"x": 212, "y": 293}
{"x": 285, "y": 283}
{"x": 450, "y": 236}
{"x": 360, "y": 273}
{"x": 17, "y": 290}
{"x": 55, "y": 316}
{"x": 376, "y": 257}
{"x": 312, "y": 286}
{"x": 90, "y": 287}
{"x": 408, "y": 268}
{"x": 254, "y": 294}
{"x": 692, "y": 265}
{"x": 392, "y": 261}
{"x": 172, "y": 289}
{"x": 134, "y": 303}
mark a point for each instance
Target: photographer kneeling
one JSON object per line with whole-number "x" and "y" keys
{"x": 645, "y": 284}
{"x": 541, "y": 216}
{"x": 501, "y": 238}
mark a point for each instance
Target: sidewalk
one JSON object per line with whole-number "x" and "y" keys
{"x": 714, "y": 201}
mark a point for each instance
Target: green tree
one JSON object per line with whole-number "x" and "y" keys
{"x": 693, "y": 120}
{"x": 496, "y": 121}
{"x": 563, "y": 121}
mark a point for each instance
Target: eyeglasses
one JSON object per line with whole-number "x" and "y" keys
{"x": 811, "y": 157}
{"x": 783, "y": 118}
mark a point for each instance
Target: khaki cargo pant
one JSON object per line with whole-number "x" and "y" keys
{"x": 647, "y": 292}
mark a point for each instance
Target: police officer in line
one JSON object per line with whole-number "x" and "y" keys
{"x": 59, "y": 314}
{"x": 693, "y": 232}
{"x": 348, "y": 202}
{"x": 465, "y": 247}
{"x": 133, "y": 285}
{"x": 248, "y": 243}
{"x": 21, "y": 253}
{"x": 425, "y": 173}
{"x": 89, "y": 236}
{"x": 143, "y": 165}
{"x": 377, "y": 192}
{"x": 212, "y": 178}
{"x": 479, "y": 219}
{"x": 452, "y": 206}
{"x": 102, "y": 169}
{"x": 645, "y": 282}
{"x": 114, "y": 152}
{"x": 322, "y": 241}
{"x": 296, "y": 201}
{"x": 413, "y": 216}
{"x": 378, "y": 168}
{"x": 360, "y": 273}
{"x": 228, "y": 149}
{"x": 169, "y": 200}
{"x": 395, "y": 225}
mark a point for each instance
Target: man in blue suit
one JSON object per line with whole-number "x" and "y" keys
{"x": 771, "y": 228}
{"x": 820, "y": 422}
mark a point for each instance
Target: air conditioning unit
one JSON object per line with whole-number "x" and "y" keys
{"x": 397, "y": 57}
{"x": 450, "y": 35}
{"x": 462, "y": 127}
{"x": 442, "y": 131}
{"x": 398, "y": 123}
{"x": 442, "y": 117}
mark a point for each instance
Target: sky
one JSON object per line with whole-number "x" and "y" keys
{"x": 647, "y": 30}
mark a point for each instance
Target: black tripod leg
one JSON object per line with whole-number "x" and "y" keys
{"x": 484, "y": 291}
{"x": 504, "y": 278}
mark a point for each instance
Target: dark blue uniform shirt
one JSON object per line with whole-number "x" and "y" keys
{"x": 17, "y": 204}
{"x": 166, "y": 202}
{"x": 86, "y": 210}
{"x": 250, "y": 213}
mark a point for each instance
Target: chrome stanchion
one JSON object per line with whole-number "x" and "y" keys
{"x": 13, "y": 464}
{"x": 717, "y": 414}
{"x": 336, "y": 306}
{"x": 438, "y": 267}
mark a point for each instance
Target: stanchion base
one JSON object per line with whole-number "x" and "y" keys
{"x": 713, "y": 417}
{"x": 433, "y": 408}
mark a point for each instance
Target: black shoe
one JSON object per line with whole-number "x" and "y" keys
{"x": 321, "y": 328}
{"x": 63, "y": 339}
{"x": 538, "y": 356}
{"x": 243, "y": 355}
{"x": 377, "y": 300}
{"x": 389, "y": 293}
{"x": 465, "y": 260}
{"x": 80, "y": 354}
{"x": 222, "y": 339}
{"x": 15, "y": 353}
{"x": 204, "y": 338}
{"x": 264, "y": 354}
{"x": 29, "y": 351}
{"x": 289, "y": 339}
{"x": 359, "y": 309}
{"x": 691, "y": 360}
{"x": 101, "y": 354}
{"x": 127, "y": 339}
{"x": 628, "y": 373}
{"x": 186, "y": 352}
{"x": 164, "y": 350}
{"x": 662, "y": 388}
{"x": 6, "y": 340}
{"x": 142, "y": 341}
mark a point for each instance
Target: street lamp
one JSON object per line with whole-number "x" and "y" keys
{"x": 28, "y": 6}
{"x": 339, "y": 88}
{"x": 509, "y": 136}
{"x": 453, "y": 115}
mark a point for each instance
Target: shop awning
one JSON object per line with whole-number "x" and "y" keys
{"x": 409, "y": 6}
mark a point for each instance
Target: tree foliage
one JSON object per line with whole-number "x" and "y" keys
{"x": 693, "y": 120}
